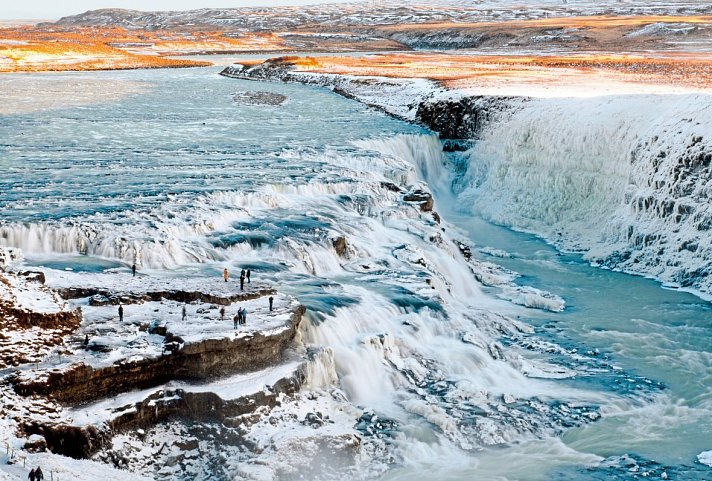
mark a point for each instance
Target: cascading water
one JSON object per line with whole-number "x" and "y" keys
{"x": 622, "y": 178}
{"x": 413, "y": 342}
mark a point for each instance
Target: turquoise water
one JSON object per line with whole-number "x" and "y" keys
{"x": 164, "y": 168}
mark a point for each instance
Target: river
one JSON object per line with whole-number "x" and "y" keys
{"x": 170, "y": 169}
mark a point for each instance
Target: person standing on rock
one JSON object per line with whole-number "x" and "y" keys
{"x": 244, "y": 315}
{"x": 121, "y": 313}
{"x": 242, "y": 272}
{"x": 226, "y": 274}
{"x": 32, "y": 476}
{"x": 236, "y": 319}
{"x": 133, "y": 269}
{"x": 39, "y": 475}
{"x": 222, "y": 313}
{"x": 242, "y": 281}
{"x": 248, "y": 276}
{"x": 271, "y": 301}
{"x": 185, "y": 313}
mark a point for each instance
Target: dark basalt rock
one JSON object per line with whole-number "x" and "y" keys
{"x": 340, "y": 246}
{"x": 425, "y": 199}
{"x": 464, "y": 250}
{"x": 35, "y": 276}
{"x": 460, "y": 121}
{"x": 390, "y": 186}
{"x": 99, "y": 296}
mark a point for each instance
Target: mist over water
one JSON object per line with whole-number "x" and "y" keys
{"x": 182, "y": 179}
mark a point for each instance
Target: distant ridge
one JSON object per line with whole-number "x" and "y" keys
{"x": 369, "y": 14}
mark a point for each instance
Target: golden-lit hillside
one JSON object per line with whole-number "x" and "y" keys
{"x": 37, "y": 49}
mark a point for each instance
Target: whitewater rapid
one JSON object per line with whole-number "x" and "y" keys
{"x": 433, "y": 346}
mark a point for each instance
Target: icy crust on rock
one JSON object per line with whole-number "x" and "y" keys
{"x": 29, "y": 296}
{"x": 34, "y": 319}
{"x": 623, "y": 179}
{"x": 148, "y": 326}
{"x": 227, "y": 389}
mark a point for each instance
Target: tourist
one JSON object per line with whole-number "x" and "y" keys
{"x": 121, "y": 313}
{"x": 271, "y": 301}
{"x": 236, "y": 320}
{"x": 32, "y": 476}
{"x": 86, "y": 341}
{"x": 225, "y": 274}
{"x": 239, "y": 315}
{"x": 244, "y": 315}
{"x": 185, "y": 313}
{"x": 133, "y": 269}
{"x": 242, "y": 273}
{"x": 39, "y": 476}
{"x": 222, "y": 313}
{"x": 242, "y": 281}
{"x": 248, "y": 275}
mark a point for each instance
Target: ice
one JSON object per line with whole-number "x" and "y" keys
{"x": 705, "y": 458}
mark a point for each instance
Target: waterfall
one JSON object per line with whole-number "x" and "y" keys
{"x": 623, "y": 179}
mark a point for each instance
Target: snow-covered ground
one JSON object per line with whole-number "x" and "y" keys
{"x": 114, "y": 341}
{"x": 368, "y": 14}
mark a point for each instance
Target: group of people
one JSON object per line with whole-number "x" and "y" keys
{"x": 240, "y": 317}
{"x": 36, "y": 474}
{"x": 244, "y": 275}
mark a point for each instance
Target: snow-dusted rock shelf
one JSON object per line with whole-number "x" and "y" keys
{"x": 34, "y": 319}
{"x": 91, "y": 427}
{"x": 117, "y": 287}
{"x": 175, "y": 352}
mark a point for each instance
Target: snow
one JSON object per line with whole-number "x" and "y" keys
{"x": 367, "y": 14}
{"x": 130, "y": 340}
{"x": 619, "y": 200}
{"x": 532, "y": 297}
{"x": 229, "y": 388}
{"x": 705, "y": 458}
{"x": 29, "y": 296}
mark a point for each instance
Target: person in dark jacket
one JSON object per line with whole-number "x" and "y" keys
{"x": 242, "y": 282}
{"x": 222, "y": 313}
{"x": 244, "y": 315}
{"x": 133, "y": 269}
{"x": 39, "y": 476}
{"x": 248, "y": 275}
{"x": 121, "y": 313}
{"x": 185, "y": 313}
{"x": 32, "y": 475}
{"x": 271, "y": 301}
{"x": 236, "y": 320}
